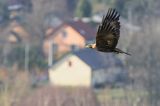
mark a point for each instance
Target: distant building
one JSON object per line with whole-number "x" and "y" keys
{"x": 87, "y": 68}
{"x": 17, "y": 6}
{"x": 14, "y": 5}
{"x": 17, "y": 33}
{"x": 67, "y": 72}
{"x": 68, "y": 36}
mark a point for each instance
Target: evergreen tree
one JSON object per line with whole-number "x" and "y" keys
{"x": 36, "y": 57}
{"x": 138, "y": 7}
{"x": 71, "y": 4}
{"x": 4, "y": 14}
{"x": 84, "y": 9}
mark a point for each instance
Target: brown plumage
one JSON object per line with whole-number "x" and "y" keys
{"x": 108, "y": 33}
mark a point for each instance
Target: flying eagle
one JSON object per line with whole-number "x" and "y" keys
{"x": 108, "y": 33}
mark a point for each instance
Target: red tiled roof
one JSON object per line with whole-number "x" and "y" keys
{"x": 84, "y": 29}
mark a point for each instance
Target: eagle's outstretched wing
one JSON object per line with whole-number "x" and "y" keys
{"x": 109, "y": 30}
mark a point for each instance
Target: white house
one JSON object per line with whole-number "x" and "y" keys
{"x": 87, "y": 68}
{"x": 70, "y": 71}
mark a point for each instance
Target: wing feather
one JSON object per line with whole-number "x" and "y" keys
{"x": 109, "y": 30}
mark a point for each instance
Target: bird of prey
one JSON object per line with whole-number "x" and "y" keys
{"x": 108, "y": 33}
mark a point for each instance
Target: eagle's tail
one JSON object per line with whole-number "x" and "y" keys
{"x": 120, "y": 51}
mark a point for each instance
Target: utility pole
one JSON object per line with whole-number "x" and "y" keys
{"x": 27, "y": 57}
{"x": 130, "y": 20}
{"x": 5, "y": 51}
{"x": 50, "y": 55}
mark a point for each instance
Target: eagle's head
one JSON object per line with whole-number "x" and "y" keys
{"x": 92, "y": 45}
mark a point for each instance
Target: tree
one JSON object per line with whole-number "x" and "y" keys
{"x": 36, "y": 58}
{"x": 35, "y": 22}
{"x": 84, "y": 9}
{"x": 141, "y": 8}
{"x": 71, "y": 4}
{"x": 27, "y": 5}
{"x": 4, "y": 13}
{"x": 146, "y": 62}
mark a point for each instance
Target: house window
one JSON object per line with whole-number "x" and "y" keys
{"x": 64, "y": 34}
{"x": 74, "y": 47}
{"x": 54, "y": 48}
{"x": 69, "y": 63}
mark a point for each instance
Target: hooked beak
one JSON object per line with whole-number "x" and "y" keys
{"x": 88, "y": 46}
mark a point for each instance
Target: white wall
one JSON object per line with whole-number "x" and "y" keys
{"x": 76, "y": 74}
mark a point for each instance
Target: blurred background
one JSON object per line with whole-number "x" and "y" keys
{"x": 43, "y": 61}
